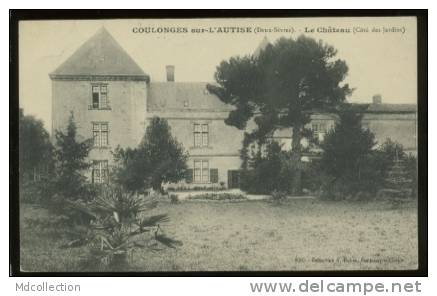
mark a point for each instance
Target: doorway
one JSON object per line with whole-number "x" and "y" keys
{"x": 233, "y": 179}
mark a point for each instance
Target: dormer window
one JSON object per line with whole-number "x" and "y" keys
{"x": 99, "y": 97}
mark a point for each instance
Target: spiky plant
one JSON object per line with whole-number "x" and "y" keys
{"x": 119, "y": 225}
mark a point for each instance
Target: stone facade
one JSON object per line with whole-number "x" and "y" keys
{"x": 125, "y": 114}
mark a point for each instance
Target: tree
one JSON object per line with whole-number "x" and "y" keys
{"x": 71, "y": 162}
{"x": 167, "y": 158}
{"x": 129, "y": 169}
{"x": 348, "y": 157}
{"x": 391, "y": 154}
{"x": 35, "y": 151}
{"x": 268, "y": 172}
{"x": 159, "y": 158}
{"x": 280, "y": 88}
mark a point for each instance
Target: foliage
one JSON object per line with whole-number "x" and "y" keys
{"x": 280, "y": 88}
{"x": 206, "y": 187}
{"x": 313, "y": 177}
{"x": 159, "y": 158}
{"x": 218, "y": 196}
{"x": 350, "y": 164}
{"x": 174, "y": 199}
{"x": 35, "y": 149}
{"x": 390, "y": 152}
{"x": 272, "y": 170}
{"x": 36, "y": 192}
{"x": 278, "y": 196}
{"x": 35, "y": 160}
{"x": 118, "y": 227}
{"x": 166, "y": 157}
{"x": 412, "y": 172}
{"x": 129, "y": 169}
{"x": 348, "y": 159}
{"x": 71, "y": 163}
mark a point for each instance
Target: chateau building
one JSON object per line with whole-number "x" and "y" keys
{"x": 112, "y": 101}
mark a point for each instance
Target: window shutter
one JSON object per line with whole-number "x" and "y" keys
{"x": 213, "y": 175}
{"x": 189, "y": 176}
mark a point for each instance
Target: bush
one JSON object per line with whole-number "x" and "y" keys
{"x": 367, "y": 175}
{"x": 278, "y": 196}
{"x": 268, "y": 173}
{"x": 412, "y": 172}
{"x": 174, "y": 199}
{"x": 36, "y": 192}
{"x": 218, "y": 196}
{"x": 118, "y": 227}
{"x": 365, "y": 186}
{"x": 182, "y": 187}
{"x": 313, "y": 178}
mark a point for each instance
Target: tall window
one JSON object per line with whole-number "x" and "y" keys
{"x": 201, "y": 135}
{"x": 201, "y": 171}
{"x": 100, "y": 171}
{"x": 100, "y": 97}
{"x": 100, "y": 134}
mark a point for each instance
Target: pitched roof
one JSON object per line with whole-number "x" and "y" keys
{"x": 99, "y": 55}
{"x": 392, "y": 108}
{"x": 181, "y": 96}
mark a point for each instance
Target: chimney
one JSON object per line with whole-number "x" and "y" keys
{"x": 170, "y": 73}
{"x": 377, "y": 99}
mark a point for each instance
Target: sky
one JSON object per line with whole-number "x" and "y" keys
{"x": 380, "y": 62}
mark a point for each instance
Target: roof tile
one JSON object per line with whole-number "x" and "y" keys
{"x": 183, "y": 96}
{"x": 100, "y": 55}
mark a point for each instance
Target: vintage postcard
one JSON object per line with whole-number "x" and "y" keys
{"x": 225, "y": 144}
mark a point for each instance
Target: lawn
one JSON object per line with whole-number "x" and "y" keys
{"x": 300, "y": 234}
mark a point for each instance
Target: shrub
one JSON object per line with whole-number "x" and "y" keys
{"x": 182, "y": 187}
{"x": 278, "y": 196}
{"x": 273, "y": 171}
{"x": 412, "y": 172}
{"x": 118, "y": 227}
{"x": 360, "y": 175}
{"x": 402, "y": 181}
{"x": 36, "y": 192}
{"x": 174, "y": 199}
{"x": 313, "y": 177}
{"x": 218, "y": 196}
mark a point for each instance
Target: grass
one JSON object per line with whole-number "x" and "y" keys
{"x": 301, "y": 234}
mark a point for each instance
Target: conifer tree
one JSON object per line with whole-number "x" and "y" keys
{"x": 71, "y": 162}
